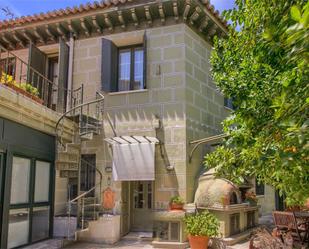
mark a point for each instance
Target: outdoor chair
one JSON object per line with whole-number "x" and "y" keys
{"x": 286, "y": 222}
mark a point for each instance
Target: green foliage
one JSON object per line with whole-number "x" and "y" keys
{"x": 29, "y": 88}
{"x": 202, "y": 224}
{"x": 177, "y": 200}
{"x": 264, "y": 67}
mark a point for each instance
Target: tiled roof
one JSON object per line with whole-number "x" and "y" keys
{"x": 84, "y": 8}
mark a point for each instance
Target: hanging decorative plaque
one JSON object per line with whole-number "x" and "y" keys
{"x": 108, "y": 198}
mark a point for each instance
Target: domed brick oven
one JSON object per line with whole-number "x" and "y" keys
{"x": 226, "y": 200}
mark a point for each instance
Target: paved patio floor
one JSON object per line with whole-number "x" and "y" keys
{"x": 123, "y": 244}
{"x": 129, "y": 244}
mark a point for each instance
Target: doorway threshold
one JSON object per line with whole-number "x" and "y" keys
{"x": 144, "y": 236}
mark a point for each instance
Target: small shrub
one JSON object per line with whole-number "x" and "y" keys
{"x": 202, "y": 224}
{"x": 177, "y": 200}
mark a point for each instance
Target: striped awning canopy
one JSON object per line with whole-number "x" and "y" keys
{"x": 131, "y": 140}
{"x": 133, "y": 157}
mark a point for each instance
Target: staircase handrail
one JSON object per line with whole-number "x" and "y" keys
{"x": 84, "y": 194}
{"x": 73, "y": 109}
{"x": 58, "y": 139}
{"x": 26, "y": 63}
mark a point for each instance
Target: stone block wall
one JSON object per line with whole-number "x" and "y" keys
{"x": 267, "y": 201}
{"x": 136, "y": 112}
{"x": 204, "y": 104}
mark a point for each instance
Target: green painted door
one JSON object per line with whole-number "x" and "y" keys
{"x": 1, "y": 188}
{"x": 142, "y": 205}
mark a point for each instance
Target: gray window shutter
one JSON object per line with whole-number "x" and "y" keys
{"x": 109, "y": 68}
{"x": 63, "y": 75}
{"x": 145, "y": 59}
{"x": 37, "y": 60}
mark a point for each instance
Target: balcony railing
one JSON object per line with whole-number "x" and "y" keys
{"x": 17, "y": 74}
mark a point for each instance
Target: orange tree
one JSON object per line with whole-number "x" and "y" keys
{"x": 263, "y": 67}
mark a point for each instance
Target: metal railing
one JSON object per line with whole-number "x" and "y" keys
{"x": 18, "y": 74}
{"x": 81, "y": 198}
{"x": 90, "y": 116}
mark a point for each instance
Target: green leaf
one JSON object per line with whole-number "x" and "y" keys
{"x": 305, "y": 18}
{"x": 295, "y": 13}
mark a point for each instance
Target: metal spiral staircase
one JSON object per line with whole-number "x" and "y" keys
{"x": 88, "y": 117}
{"x": 17, "y": 74}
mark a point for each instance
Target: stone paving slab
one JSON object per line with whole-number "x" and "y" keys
{"x": 124, "y": 244}
{"x": 46, "y": 244}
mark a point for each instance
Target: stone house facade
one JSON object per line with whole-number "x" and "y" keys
{"x": 150, "y": 61}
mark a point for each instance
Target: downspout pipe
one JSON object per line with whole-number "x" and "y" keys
{"x": 70, "y": 71}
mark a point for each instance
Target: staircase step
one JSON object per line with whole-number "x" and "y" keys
{"x": 73, "y": 145}
{"x": 66, "y": 165}
{"x": 86, "y": 136}
{"x": 69, "y": 173}
{"x": 68, "y": 156}
{"x": 90, "y": 200}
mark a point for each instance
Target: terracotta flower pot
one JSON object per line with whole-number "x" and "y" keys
{"x": 176, "y": 206}
{"x": 25, "y": 93}
{"x": 198, "y": 242}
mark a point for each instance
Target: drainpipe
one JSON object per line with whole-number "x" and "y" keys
{"x": 70, "y": 71}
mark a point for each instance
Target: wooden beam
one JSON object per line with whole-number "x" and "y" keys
{"x": 212, "y": 32}
{"x": 61, "y": 31}
{"x": 18, "y": 40}
{"x": 37, "y": 35}
{"x": 108, "y": 22}
{"x": 121, "y": 19}
{"x": 72, "y": 29}
{"x": 27, "y": 36}
{"x": 195, "y": 15}
{"x": 49, "y": 33}
{"x": 6, "y": 40}
{"x": 204, "y": 24}
{"x": 134, "y": 17}
{"x": 148, "y": 15}
{"x": 161, "y": 12}
{"x": 186, "y": 10}
{"x": 85, "y": 27}
{"x": 175, "y": 10}
{"x": 95, "y": 23}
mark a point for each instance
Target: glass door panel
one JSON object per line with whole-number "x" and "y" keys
{"x": 42, "y": 176}
{"x": 40, "y": 223}
{"x": 1, "y": 188}
{"x": 142, "y": 206}
{"x": 20, "y": 180}
{"x": 18, "y": 227}
{"x": 40, "y": 214}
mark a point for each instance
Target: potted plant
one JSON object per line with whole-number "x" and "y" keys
{"x": 251, "y": 198}
{"x": 25, "y": 89}
{"x": 200, "y": 227}
{"x": 176, "y": 203}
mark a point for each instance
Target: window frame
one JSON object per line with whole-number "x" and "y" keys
{"x": 131, "y": 49}
{"x": 228, "y": 103}
{"x": 259, "y": 188}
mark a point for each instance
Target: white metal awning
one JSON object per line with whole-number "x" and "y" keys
{"x": 133, "y": 157}
{"x": 131, "y": 140}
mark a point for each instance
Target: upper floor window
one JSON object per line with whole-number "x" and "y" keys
{"x": 124, "y": 68}
{"x": 131, "y": 68}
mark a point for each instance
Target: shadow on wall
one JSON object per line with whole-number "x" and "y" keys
{"x": 169, "y": 180}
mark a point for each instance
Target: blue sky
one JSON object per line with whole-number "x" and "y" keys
{"x": 28, "y": 7}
